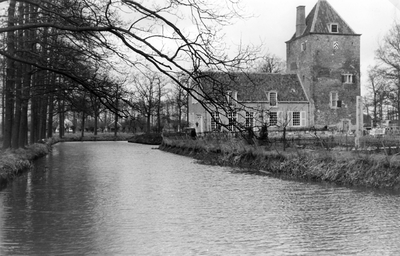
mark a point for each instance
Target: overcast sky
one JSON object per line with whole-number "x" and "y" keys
{"x": 275, "y": 22}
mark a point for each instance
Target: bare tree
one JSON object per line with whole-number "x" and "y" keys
{"x": 388, "y": 55}
{"x": 147, "y": 95}
{"x": 180, "y": 100}
{"x": 154, "y": 34}
{"x": 270, "y": 63}
{"x": 378, "y": 92}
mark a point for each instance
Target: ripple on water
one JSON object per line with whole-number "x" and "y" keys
{"x": 121, "y": 198}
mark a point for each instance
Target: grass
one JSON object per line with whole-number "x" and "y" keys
{"x": 88, "y": 136}
{"x": 353, "y": 168}
{"x": 14, "y": 162}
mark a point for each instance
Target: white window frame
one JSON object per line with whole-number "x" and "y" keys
{"x": 348, "y": 78}
{"x": 334, "y": 98}
{"x": 275, "y": 100}
{"x": 249, "y": 119}
{"x": 232, "y": 119}
{"x": 215, "y": 121}
{"x": 297, "y": 118}
{"x": 273, "y": 118}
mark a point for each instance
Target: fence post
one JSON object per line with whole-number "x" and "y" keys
{"x": 359, "y": 122}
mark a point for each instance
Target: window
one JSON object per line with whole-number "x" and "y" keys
{"x": 273, "y": 118}
{"x": 334, "y": 101}
{"x": 215, "y": 122}
{"x": 229, "y": 97}
{"x": 232, "y": 120}
{"x": 334, "y": 28}
{"x": 303, "y": 46}
{"x": 297, "y": 118}
{"x": 348, "y": 79}
{"x": 249, "y": 119}
{"x": 273, "y": 101}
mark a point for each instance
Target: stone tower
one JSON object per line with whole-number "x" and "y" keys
{"x": 325, "y": 53}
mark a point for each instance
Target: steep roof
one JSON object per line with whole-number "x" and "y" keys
{"x": 318, "y": 20}
{"x": 253, "y": 87}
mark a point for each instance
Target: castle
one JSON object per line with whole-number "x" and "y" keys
{"x": 319, "y": 88}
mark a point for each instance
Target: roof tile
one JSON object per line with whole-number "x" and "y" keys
{"x": 253, "y": 87}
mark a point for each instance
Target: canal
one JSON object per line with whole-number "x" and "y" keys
{"x": 118, "y": 198}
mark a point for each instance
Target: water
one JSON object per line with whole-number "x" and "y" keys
{"x": 117, "y": 198}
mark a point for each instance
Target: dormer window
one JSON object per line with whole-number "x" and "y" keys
{"x": 273, "y": 99}
{"x": 231, "y": 97}
{"x": 334, "y": 28}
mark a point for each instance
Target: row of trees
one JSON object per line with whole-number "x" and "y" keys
{"x": 383, "y": 98}
{"x": 83, "y": 56}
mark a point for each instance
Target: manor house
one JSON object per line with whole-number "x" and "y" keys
{"x": 318, "y": 89}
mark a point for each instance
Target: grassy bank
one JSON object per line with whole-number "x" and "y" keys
{"x": 151, "y": 139}
{"x": 15, "y": 162}
{"x": 99, "y": 137}
{"x": 350, "y": 168}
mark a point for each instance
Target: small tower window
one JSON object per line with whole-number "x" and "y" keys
{"x": 303, "y": 46}
{"x": 334, "y": 28}
{"x": 334, "y": 100}
{"x": 348, "y": 79}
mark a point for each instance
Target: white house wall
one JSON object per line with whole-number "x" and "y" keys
{"x": 200, "y": 119}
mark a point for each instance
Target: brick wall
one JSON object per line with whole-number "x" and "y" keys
{"x": 320, "y": 63}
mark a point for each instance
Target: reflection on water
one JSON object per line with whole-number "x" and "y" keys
{"x": 113, "y": 198}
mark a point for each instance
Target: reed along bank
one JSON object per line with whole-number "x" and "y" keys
{"x": 15, "y": 162}
{"x": 349, "y": 168}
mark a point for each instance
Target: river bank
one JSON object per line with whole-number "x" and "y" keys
{"x": 15, "y": 162}
{"x": 350, "y": 168}
{"x": 149, "y": 139}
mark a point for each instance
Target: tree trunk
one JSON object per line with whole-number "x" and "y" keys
{"x": 18, "y": 108}
{"x": 33, "y": 125}
{"x": 61, "y": 118}
{"x": 23, "y": 132}
{"x": 116, "y": 112}
{"x": 148, "y": 122}
{"x": 10, "y": 80}
{"x": 3, "y": 99}
{"x": 159, "y": 109}
{"x": 96, "y": 119}
{"x": 83, "y": 124}
{"x": 50, "y": 116}
{"x": 18, "y": 82}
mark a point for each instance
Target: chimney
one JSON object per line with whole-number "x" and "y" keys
{"x": 300, "y": 20}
